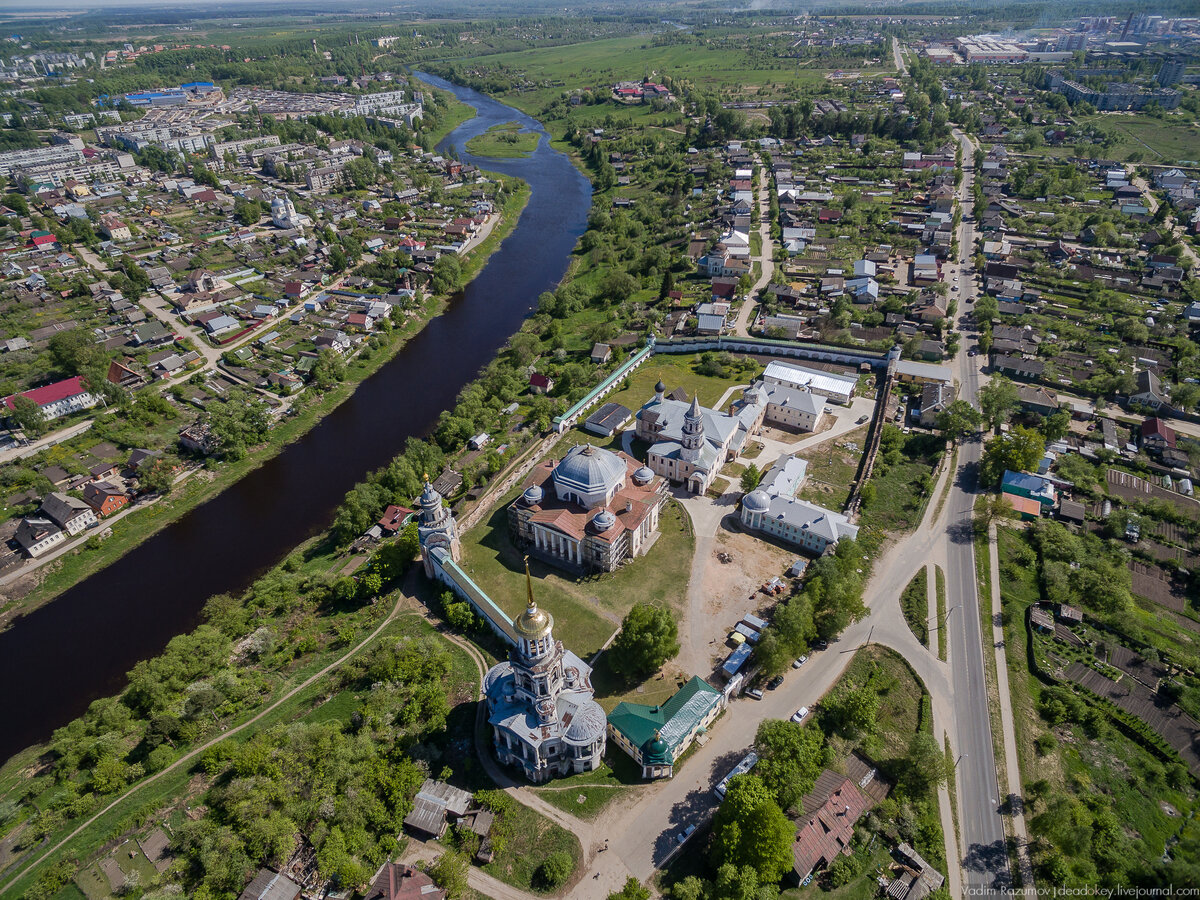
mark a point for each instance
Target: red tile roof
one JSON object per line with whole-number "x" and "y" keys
{"x": 51, "y": 393}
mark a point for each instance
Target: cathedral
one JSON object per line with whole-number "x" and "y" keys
{"x": 540, "y": 702}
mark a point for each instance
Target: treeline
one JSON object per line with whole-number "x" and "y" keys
{"x": 206, "y": 679}
{"x": 830, "y": 600}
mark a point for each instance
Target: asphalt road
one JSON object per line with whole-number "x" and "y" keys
{"x": 985, "y": 858}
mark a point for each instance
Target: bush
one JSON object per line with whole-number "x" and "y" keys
{"x": 554, "y": 870}
{"x": 1045, "y": 743}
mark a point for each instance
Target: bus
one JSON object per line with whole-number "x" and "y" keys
{"x": 740, "y": 769}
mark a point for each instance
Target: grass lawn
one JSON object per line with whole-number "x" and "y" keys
{"x": 675, "y": 371}
{"x": 1172, "y": 138}
{"x": 900, "y": 697}
{"x": 585, "y": 796}
{"x": 914, "y": 603}
{"x": 587, "y": 609}
{"x": 901, "y": 491}
{"x": 534, "y": 837}
{"x": 832, "y": 466}
{"x": 504, "y": 141}
{"x": 940, "y": 579}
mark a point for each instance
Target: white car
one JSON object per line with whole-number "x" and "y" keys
{"x": 799, "y": 662}
{"x": 800, "y": 715}
{"x": 685, "y": 834}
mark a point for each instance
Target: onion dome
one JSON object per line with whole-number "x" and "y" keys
{"x": 655, "y": 752}
{"x": 756, "y": 501}
{"x": 604, "y": 520}
{"x": 587, "y": 725}
{"x": 533, "y": 495}
{"x": 533, "y": 624}
{"x": 660, "y": 388}
{"x": 643, "y": 476}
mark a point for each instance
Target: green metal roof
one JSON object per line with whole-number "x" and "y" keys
{"x": 673, "y": 721}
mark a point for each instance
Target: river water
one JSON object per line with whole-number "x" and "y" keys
{"x": 57, "y": 659}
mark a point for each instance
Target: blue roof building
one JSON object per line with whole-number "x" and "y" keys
{"x": 1032, "y": 486}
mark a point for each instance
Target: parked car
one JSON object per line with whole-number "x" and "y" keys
{"x": 800, "y": 715}
{"x": 821, "y": 645}
{"x": 862, "y": 420}
{"x": 755, "y": 693}
{"x": 774, "y": 682}
{"x": 685, "y": 834}
{"x": 799, "y": 662}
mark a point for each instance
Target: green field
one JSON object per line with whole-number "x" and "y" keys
{"x": 504, "y": 141}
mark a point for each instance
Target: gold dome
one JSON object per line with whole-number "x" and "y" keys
{"x": 534, "y": 623}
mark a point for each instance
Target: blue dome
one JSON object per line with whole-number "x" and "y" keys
{"x": 590, "y": 470}
{"x": 533, "y": 495}
{"x": 604, "y": 520}
{"x": 644, "y": 475}
{"x": 587, "y": 725}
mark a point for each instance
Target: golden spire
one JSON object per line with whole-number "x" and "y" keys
{"x": 529, "y": 584}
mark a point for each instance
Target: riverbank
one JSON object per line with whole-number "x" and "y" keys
{"x": 205, "y": 484}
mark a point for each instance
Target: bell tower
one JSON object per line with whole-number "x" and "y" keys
{"x": 436, "y": 527}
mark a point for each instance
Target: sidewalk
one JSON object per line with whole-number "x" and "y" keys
{"x": 1011, "y": 767}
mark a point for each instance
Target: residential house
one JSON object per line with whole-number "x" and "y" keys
{"x": 540, "y": 384}
{"x": 397, "y": 881}
{"x": 36, "y": 535}
{"x": 1148, "y": 390}
{"x": 58, "y": 399}
{"x": 1157, "y": 435}
{"x": 69, "y": 513}
{"x": 826, "y": 830}
{"x": 271, "y": 885}
{"x": 104, "y": 498}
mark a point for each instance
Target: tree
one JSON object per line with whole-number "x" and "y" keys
{"x": 925, "y": 764}
{"x": 73, "y": 351}
{"x": 329, "y": 370}
{"x": 998, "y": 398}
{"x": 449, "y": 871}
{"x": 750, "y": 478}
{"x": 158, "y": 477}
{"x": 247, "y": 212}
{"x": 854, "y": 710}
{"x": 446, "y": 275}
{"x": 1056, "y": 425}
{"x": 790, "y": 757}
{"x": 555, "y": 869}
{"x": 991, "y": 508}
{"x": 648, "y": 638}
{"x": 27, "y": 415}
{"x": 958, "y": 419}
{"x": 632, "y": 890}
{"x": 751, "y": 830}
{"x": 1019, "y": 450}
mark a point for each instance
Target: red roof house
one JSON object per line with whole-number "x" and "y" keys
{"x": 394, "y": 518}
{"x": 540, "y": 383}
{"x": 835, "y": 803}
{"x": 1157, "y": 434}
{"x": 42, "y": 239}
{"x": 397, "y": 881}
{"x": 50, "y": 394}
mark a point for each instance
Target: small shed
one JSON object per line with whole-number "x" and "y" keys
{"x": 1042, "y": 620}
{"x": 1072, "y": 511}
{"x": 601, "y": 353}
{"x": 434, "y": 805}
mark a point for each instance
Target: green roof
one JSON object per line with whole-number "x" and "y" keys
{"x": 673, "y": 721}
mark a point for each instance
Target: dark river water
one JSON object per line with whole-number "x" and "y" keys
{"x": 57, "y": 659}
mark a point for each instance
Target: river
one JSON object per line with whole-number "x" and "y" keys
{"x": 59, "y": 658}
